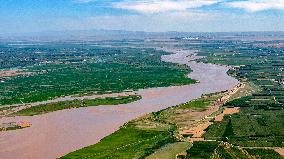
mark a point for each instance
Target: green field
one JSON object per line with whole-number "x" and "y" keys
{"x": 261, "y": 66}
{"x": 259, "y": 123}
{"x": 264, "y": 153}
{"x": 202, "y": 150}
{"x": 148, "y": 136}
{"x": 218, "y": 150}
{"x": 251, "y": 133}
{"x": 260, "y": 120}
{"x": 97, "y": 71}
{"x": 250, "y": 128}
{"x": 170, "y": 150}
{"x": 46, "y": 108}
{"x": 133, "y": 140}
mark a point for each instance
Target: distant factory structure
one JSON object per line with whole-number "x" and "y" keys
{"x": 190, "y": 38}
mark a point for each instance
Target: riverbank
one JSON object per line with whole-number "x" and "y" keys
{"x": 55, "y": 134}
{"x": 150, "y": 134}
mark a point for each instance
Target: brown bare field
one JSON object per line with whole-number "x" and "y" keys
{"x": 201, "y": 120}
{"x": 244, "y": 89}
{"x": 197, "y": 131}
{"x": 9, "y": 73}
{"x": 280, "y": 151}
{"x": 227, "y": 111}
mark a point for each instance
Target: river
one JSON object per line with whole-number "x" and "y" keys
{"x": 58, "y": 133}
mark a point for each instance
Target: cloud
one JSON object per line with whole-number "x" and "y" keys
{"x": 160, "y": 6}
{"x": 257, "y": 5}
{"x": 177, "y": 21}
{"x": 169, "y": 21}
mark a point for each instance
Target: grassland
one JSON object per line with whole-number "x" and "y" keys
{"x": 51, "y": 107}
{"x": 71, "y": 69}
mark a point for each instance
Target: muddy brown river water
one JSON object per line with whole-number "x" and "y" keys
{"x": 58, "y": 133}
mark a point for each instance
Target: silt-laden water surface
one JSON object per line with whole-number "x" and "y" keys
{"x": 58, "y": 133}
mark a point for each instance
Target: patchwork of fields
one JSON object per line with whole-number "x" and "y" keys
{"x": 255, "y": 130}
{"x": 260, "y": 65}
{"x": 56, "y": 70}
{"x": 260, "y": 121}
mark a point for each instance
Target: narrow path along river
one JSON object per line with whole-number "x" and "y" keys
{"x": 55, "y": 134}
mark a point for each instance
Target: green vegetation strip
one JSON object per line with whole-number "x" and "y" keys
{"x": 152, "y": 135}
{"x": 199, "y": 104}
{"x": 156, "y": 132}
{"x": 130, "y": 141}
{"x": 46, "y": 108}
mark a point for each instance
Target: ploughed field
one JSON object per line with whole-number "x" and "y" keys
{"x": 46, "y": 71}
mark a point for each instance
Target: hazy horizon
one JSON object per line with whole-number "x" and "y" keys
{"x": 31, "y": 16}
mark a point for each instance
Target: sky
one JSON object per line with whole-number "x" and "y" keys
{"x": 22, "y": 16}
